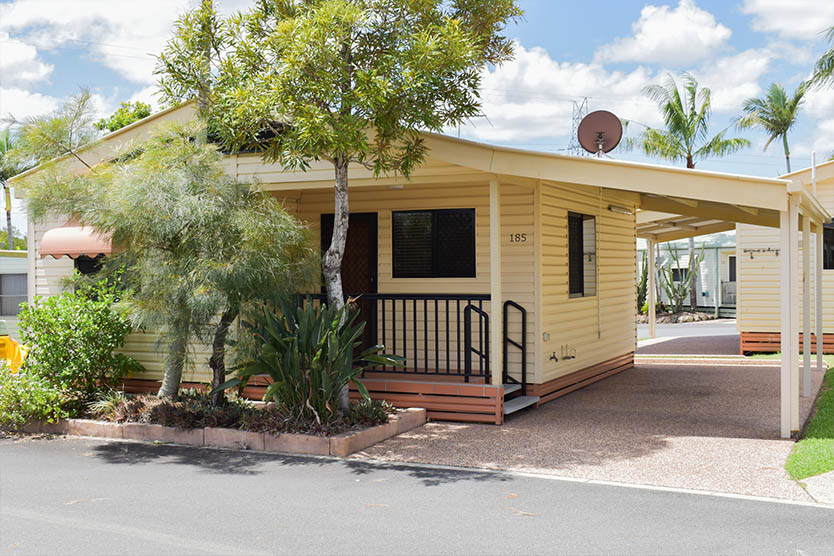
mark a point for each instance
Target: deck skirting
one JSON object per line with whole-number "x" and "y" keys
{"x": 771, "y": 342}
{"x": 558, "y": 387}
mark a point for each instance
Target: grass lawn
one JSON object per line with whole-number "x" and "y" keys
{"x": 814, "y": 453}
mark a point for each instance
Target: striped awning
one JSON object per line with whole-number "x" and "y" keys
{"x": 74, "y": 241}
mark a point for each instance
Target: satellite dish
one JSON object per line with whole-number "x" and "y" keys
{"x": 600, "y": 132}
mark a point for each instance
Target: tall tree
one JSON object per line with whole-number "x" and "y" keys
{"x": 824, "y": 68}
{"x": 345, "y": 81}
{"x": 686, "y": 138}
{"x": 198, "y": 245}
{"x": 9, "y": 167}
{"x": 127, "y": 113}
{"x": 775, "y": 114}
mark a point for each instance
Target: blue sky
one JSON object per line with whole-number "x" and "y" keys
{"x": 606, "y": 50}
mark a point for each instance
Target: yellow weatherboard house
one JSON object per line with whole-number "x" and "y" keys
{"x": 505, "y": 277}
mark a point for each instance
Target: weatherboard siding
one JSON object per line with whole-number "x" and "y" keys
{"x": 595, "y": 328}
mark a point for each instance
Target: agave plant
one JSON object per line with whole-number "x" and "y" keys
{"x": 309, "y": 352}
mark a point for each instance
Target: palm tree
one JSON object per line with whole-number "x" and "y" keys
{"x": 775, "y": 114}
{"x": 686, "y": 138}
{"x": 686, "y": 114}
{"x": 8, "y": 167}
{"x": 824, "y": 68}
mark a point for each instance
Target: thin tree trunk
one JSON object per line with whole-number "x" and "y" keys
{"x": 787, "y": 152}
{"x": 177, "y": 352}
{"x": 217, "y": 361}
{"x": 693, "y": 271}
{"x": 332, "y": 265}
{"x": 9, "y": 238}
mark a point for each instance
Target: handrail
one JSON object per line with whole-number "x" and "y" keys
{"x": 483, "y": 340}
{"x": 522, "y": 346}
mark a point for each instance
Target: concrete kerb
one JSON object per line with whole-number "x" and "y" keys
{"x": 341, "y": 445}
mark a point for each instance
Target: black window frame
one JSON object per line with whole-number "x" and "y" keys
{"x": 828, "y": 246}
{"x": 576, "y": 255}
{"x": 437, "y": 268}
{"x": 732, "y": 267}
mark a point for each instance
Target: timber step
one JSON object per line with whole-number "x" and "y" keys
{"x": 519, "y": 403}
{"x": 510, "y": 387}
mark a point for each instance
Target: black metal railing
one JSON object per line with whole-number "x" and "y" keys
{"x": 428, "y": 330}
{"x": 521, "y": 345}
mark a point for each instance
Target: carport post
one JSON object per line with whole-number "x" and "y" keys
{"x": 789, "y": 383}
{"x": 806, "y": 305}
{"x": 651, "y": 262}
{"x": 818, "y": 294}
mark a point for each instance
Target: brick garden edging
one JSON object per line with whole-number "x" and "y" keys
{"x": 340, "y": 445}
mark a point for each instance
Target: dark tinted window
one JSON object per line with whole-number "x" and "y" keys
{"x": 732, "y": 269}
{"x": 576, "y": 273}
{"x": 828, "y": 247}
{"x": 679, "y": 274}
{"x": 434, "y": 243}
{"x": 88, "y": 265}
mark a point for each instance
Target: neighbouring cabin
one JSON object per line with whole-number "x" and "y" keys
{"x": 505, "y": 278}
{"x": 13, "y": 288}
{"x": 759, "y": 253}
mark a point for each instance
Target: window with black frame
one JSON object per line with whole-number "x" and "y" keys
{"x": 582, "y": 255}
{"x": 433, "y": 243}
{"x": 828, "y": 246}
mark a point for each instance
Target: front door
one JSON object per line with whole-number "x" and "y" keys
{"x": 359, "y": 265}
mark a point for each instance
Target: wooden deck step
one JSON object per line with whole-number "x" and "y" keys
{"x": 510, "y": 387}
{"x": 519, "y": 403}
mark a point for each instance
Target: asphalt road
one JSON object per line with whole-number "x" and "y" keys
{"x": 79, "y": 496}
{"x": 720, "y": 327}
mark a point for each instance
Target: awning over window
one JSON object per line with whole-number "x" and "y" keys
{"x": 74, "y": 241}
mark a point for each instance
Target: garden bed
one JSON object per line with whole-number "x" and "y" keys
{"x": 671, "y": 318}
{"x": 340, "y": 445}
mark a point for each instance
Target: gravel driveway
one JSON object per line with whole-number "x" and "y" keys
{"x": 694, "y": 426}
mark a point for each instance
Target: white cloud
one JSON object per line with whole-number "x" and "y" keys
{"x": 530, "y": 97}
{"x": 733, "y": 79}
{"x": 794, "y": 19}
{"x": 19, "y": 62}
{"x": 111, "y": 31}
{"x": 22, "y": 103}
{"x": 670, "y": 36}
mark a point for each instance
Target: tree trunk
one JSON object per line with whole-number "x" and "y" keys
{"x": 177, "y": 351}
{"x": 332, "y": 264}
{"x": 693, "y": 271}
{"x": 217, "y": 361}
{"x": 787, "y": 152}
{"x": 689, "y": 162}
{"x": 9, "y": 237}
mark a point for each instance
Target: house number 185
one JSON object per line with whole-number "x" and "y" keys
{"x": 518, "y": 238}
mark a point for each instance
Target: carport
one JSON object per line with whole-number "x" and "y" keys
{"x": 680, "y": 211}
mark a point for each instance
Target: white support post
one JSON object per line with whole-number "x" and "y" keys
{"x": 651, "y": 262}
{"x": 717, "y": 297}
{"x": 789, "y": 383}
{"x": 818, "y": 263}
{"x": 496, "y": 302}
{"x": 806, "y": 306}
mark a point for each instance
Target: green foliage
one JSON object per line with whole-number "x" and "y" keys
{"x": 775, "y": 114}
{"x": 127, "y": 113}
{"x": 308, "y": 352}
{"x": 814, "y": 453}
{"x": 334, "y": 68}
{"x": 678, "y": 291}
{"x": 73, "y": 339}
{"x": 643, "y": 284}
{"x": 686, "y": 114}
{"x": 195, "y": 242}
{"x": 824, "y": 68}
{"x": 66, "y": 130}
{"x": 25, "y": 397}
{"x": 19, "y": 240}
{"x": 368, "y": 413}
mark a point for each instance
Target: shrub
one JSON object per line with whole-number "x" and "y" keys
{"x": 309, "y": 352}
{"x": 28, "y": 397}
{"x": 73, "y": 337}
{"x": 368, "y": 413}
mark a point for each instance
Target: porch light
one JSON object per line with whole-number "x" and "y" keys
{"x": 620, "y": 210}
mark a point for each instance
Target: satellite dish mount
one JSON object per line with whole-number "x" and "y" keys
{"x": 600, "y": 132}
